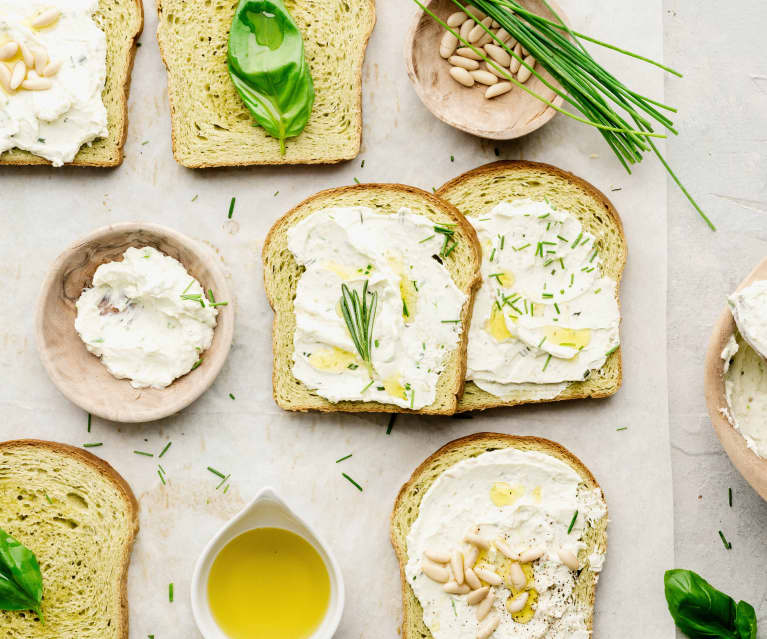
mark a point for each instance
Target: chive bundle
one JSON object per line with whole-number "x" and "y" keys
{"x": 624, "y": 117}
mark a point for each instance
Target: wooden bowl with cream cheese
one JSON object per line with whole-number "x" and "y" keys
{"x": 749, "y": 464}
{"x": 80, "y": 375}
{"x": 505, "y": 117}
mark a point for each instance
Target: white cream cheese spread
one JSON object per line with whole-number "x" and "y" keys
{"x": 749, "y": 308}
{"x": 146, "y": 318}
{"x": 520, "y": 503}
{"x": 545, "y": 316}
{"x": 745, "y": 385}
{"x": 61, "y": 108}
{"x": 417, "y": 322}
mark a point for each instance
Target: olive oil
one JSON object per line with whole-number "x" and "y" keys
{"x": 268, "y": 583}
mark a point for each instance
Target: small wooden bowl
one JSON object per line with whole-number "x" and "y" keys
{"x": 81, "y": 376}
{"x": 506, "y": 117}
{"x": 749, "y": 464}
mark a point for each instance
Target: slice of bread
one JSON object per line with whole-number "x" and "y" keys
{"x": 122, "y": 22}
{"x": 80, "y": 518}
{"x": 282, "y": 272}
{"x": 478, "y": 191}
{"x": 212, "y": 126}
{"x": 407, "y": 504}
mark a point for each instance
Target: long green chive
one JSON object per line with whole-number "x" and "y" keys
{"x": 354, "y": 483}
{"x": 726, "y": 543}
{"x": 338, "y": 461}
{"x": 572, "y": 522}
{"x": 94, "y": 445}
{"x": 141, "y": 452}
{"x": 390, "y": 425}
{"x": 359, "y": 315}
{"x": 165, "y": 450}
{"x": 231, "y": 208}
{"x": 217, "y": 472}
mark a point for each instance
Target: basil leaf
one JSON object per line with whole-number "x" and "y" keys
{"x": 703, "y": 612}
{"x": 21, "y": 584}
{"x": 268, "y": 68}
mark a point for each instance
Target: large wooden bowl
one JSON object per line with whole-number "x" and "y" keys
{"x": 749, "y": 464}
{"x": 503, "y": 118}
{"x": 81, "y": 376}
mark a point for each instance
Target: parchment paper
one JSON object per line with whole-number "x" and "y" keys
{"x": 44, "y": 210}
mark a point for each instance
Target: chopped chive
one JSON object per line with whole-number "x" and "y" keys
{"x": 549, "y": 243}
{"x": 547, "y": 295}
{"x": 577, "y": 239}
{"x": 564, "y": 239}
{"x": 572, "y": 278}
{"x": 562, "y": 263}
{"x": 519, "y": 248}
{"x": 197, "y": 363}
{"x": 412, "y": 398}
{"x": 390, "y": 425}
{"x": 50, "y": 501}
{"x": 170, "y": 592}
{"x": 611, "y": 351}
{"x": 544, "y": 216}
{"x": 216, "y": 472}
{"x": 548, "y": 359}
{"x": 593, "y": 255}
{"x": 161, "y": 469}
{"x": 366, "y": 387}
{"x": 426, "y": 239}
{"x": 223, "y": 481}
{"x": 354, "y": 483}
{"x": 187, "y": 288}
{"x": 547, "y": 262}
{"x": 492, "y": 255}
{"x": 729, "y": 495}
{"x": 356, "y": 181}
{"x": 194, "y": 199}
{"x": 404, "y": 309}
{"x": 141, "y": 452}
{"x": 503, "y": 241}
{"x": 539, "y": 250}
{"x": 451, "y": 321}
{"x": 452, "y": 158}
{"x": 231, "y": 396}
{"x": 726, "y": 543}
{"x": 572, "y": 522}
{"x": 226, "y": 488}
{"x": 89, "y": 422}
{"x": 556, "y": 308}
{"x": 455, "y": 612}
{"x": 452, "y": 247}
{"x": 93, "y": 445}
{"x": 165, "y": 450}
{"x": 338, "y": 461}
{"x": 162, "y": 479}
{"x": 622, "y": 428}
{"x": 597, "y": 291}
{"x": 362, "y": 164}
{"x": 231, "y": 208}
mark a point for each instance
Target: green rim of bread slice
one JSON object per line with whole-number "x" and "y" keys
{"x": 211, "y": 126}
{"x": 408, "y": 502}
{"x": 282, "y": 272}
{"x": 122, "y": 22}
{"x": 476, "y": 192}
{"x": 80, "y": 518}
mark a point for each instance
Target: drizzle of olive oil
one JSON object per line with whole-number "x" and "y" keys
{"x": 268, "y": 583}
{"x": 344, "y": 272}
{"x": 503, "y": 494}
{"x": 394, "y": 387}
{"x": 501, "y": 565}
{"x": 505, "y": 279}
{"x": 407, "y": 290}
{"x": 575, "y": 338}
{"x": 333, "y": 360}
{"x": 496, "y": 325}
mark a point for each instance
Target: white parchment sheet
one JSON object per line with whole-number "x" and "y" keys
{"x": 45, "y": 210}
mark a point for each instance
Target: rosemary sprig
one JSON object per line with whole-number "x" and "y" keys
{"x": 359, "y": 313}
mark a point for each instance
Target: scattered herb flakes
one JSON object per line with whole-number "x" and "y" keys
{"x": 390, "y": 425}
{"x": 231, "y": 207}
{"x": 338, "y": 461}
{"x": 572, "y": 522}
{"x": 352, "y": 482}
{"x": 165, "y": 450}
{"x": 93, "y": 445}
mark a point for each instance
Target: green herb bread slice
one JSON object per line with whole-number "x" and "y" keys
{"x": 417, "y": 354}
{"x": 504, "y": 502}
{"x": 581, "y": 245}
{"x": 211, "y": 125}
{"x": 80, "y": 518}
{"x": 122, "y": 22}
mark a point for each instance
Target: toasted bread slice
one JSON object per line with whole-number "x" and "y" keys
{"x": 122, "y": 22}
{"x": 282, "y": 272}
{"x": 478, "y": 191}
{"x": 80, "y": 518}
{"x": 407, "y": 504}
{"x": 212, "y": 126}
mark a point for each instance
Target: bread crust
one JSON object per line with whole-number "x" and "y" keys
{"x": 502, "y": 167}
{"x": 208, "y": 165}
{"x": 466, "y": 228}
{"x": 110, "y": 474}
{"x": 36, "y": 160}
{"x": 491, "y": 439}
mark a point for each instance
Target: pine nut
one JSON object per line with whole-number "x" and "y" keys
{"x": 36, "y": 83}
{"x": 488, "y": 576}
{"x": 485, "y": 39}
{"x": 484, "y": 77}
{"x": 485, "y": 606}
{"x": 456, "y": 563}
{"x": 466, "y": 28}
{"x": 477, "y": 32}
{"x": 435, "y": 572}
{"x": 437, "y": 556}
{"x": 52, "y": 69}
{"x": 46, "y": 18}
{"x": 41, "y": 59}
{"x": 477, "y": 540}
{"x": 467, "y": 52}
{"x": 531, "y": 555}
{"x": 505, "y": 549}
{"x": 448, "y": 45}
{"x": 568, "y": 559}
{"x": 26, "y": 54}
{"x": 8, "y": 50}
{"x": 488, "y": 627}
{"x": 470, "y": 555}
{"x": 475, "y": 13}
{"x": 525, "y": 72}
{"x": 5, "y": 77}
{"x": 517, "y": 576}
{"x": 499, "y": 73}
{"x": 519, "y": 602}
{"x": 503, "y": 35}
{"x": 477, "y": 596}
{"x": 457, "y": 19}
{"x": 462, "y": 76}
{"x": 456, "y": 589}
{"x": 515, "y": 59}
{"x": 18, "y": 75}
{"x": 471, "y": 579}
{"x": 464, "y": 63}
{"x": 498, "y": 54}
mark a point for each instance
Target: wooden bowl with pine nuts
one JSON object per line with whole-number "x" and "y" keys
{"x": 441, "y": 72}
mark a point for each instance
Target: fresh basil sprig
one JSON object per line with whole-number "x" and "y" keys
{"x": 703, "y": 612}
{"x": 21, "y": 584}
{"x": 268, "y": 68}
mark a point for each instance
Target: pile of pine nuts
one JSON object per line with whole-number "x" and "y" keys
{"x": 465, "y": 63}
{"x": 34, "y": 69}
{"x": 459, "y": 575}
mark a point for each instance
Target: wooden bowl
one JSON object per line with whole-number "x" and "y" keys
{"x": 749, "y": 464}
{"x": 503, "y": 118}
{"x": 81, "y": 376}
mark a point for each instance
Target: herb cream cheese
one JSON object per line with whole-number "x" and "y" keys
{"x": 146, "y": 318}
{"x": 525, "y": 499}
{"x": 545, "y": 316}
{"x": 53, "y": 122}
{"x": 417, "y": 322}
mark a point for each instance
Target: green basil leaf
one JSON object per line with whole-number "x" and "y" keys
{"x": 268, "y": 68}
{"x": 21, "y": 584}
{"x": 745, "y": 621}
